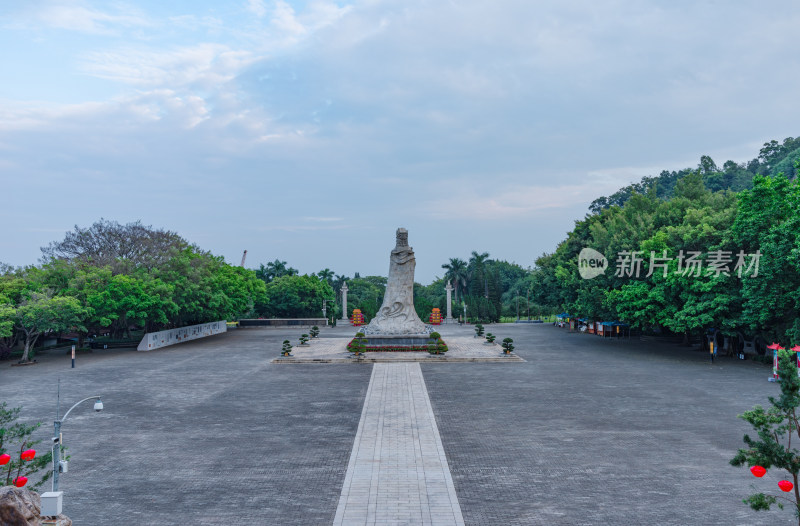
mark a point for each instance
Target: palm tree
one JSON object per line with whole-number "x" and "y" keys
{"x": 457, "y": 273}
{"x": 476, "y": 270}
{"x": 274, "y": 269}
{"x": 326, "y": 274}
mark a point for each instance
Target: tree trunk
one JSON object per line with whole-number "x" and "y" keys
{"x": 687, "y": 339}
{"x": 30, "y": 337}
{"x": 796, "y": 496}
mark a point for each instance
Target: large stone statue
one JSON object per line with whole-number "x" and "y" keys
{"x": 397, "y": 315}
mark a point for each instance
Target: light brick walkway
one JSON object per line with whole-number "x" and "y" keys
{"x": 398, "y": 472}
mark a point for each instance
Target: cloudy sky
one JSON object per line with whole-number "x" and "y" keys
{"x": 310, "y": 130}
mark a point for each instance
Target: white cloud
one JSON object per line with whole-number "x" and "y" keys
{"x": 78, "y": 16}
{"x": 501, "y": 202}
{"x": 205, "y": 65}
{"x": 257, "y": 7}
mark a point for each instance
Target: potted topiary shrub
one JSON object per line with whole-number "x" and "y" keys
{"x": 435, "y": 344}
{"x": 358, "y": 345}
{"x": 508, "y": 345}
{"x": 478, "y": 330}
{"x": 314, "y": 332}
{"x": 286, "y": 350}
{"x": 304, "y": 339}
{"x": 490, "y": 338}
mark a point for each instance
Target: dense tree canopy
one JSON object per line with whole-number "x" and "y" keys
{"x": 686, "y": 250}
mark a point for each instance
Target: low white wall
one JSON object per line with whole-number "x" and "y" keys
{"x": 156, "y": 340}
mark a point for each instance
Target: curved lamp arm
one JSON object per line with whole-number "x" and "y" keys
{"x": 76, "y": 405}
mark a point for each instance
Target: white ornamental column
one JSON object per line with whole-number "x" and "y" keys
{"x": 449, "y": 290}
{"x": 344, "y": 302}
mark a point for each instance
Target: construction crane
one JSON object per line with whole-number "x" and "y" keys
{"x": 244, "y": 256}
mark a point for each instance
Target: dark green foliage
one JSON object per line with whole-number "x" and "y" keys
{"x": 478, "y": 330}
{"x": 490, "y": 337}
{"x": 366, "y": 294}
{"x": 303, "y": 339}
{"x": 286, "y": 349}
{"x": 768, "y": 220}
{"x": 358, "y": 345}
{"x": 297, "y": 296}
{"x": 314, "y": 332}
{"x": 16, "y": 437}
{"x": 776, "y": 427}
{"x": 773, "y": 158}
{"x": 508, "y": 345}
{"x": 762, "y": 502}
{"x": 458, "y": 275}
{"x": 435, "y": 344}
{"x": 274, "y": 269}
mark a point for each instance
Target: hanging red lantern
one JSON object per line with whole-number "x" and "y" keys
{"x": 20, "y": 481}
{"x": 4, "y": 458}
{"x": 28, "y": 455}
{"x": 758, "y": 471}
{"x": 785, "y": 485}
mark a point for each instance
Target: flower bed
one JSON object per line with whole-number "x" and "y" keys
{"x": 395, "y": 348}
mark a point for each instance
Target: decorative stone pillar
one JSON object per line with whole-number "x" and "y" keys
{"x": 449, "y": 290}
{"x": 344, "y": 302}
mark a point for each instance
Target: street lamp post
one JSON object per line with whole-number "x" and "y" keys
{"x": 98, "y": 406}
{"x": 324, "y": 310}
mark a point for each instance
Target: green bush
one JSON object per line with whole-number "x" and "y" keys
{"x": 478, "y": 330}
{"x": 490, "y": 337}
{"x": 303, "y": 339}
{"x": 286, "y": 350}
{"x": 508, "y": 345}
{"x": 358, "y": 345}
{"x": 436, "y": 345}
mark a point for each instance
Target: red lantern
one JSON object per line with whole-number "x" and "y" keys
{"x": 785, "y": 485}
{"x": 758, "y": 471}
{"x": 28, "y": 455}
{"x": 4, "y": 458}
{"x": 21, "y": 481}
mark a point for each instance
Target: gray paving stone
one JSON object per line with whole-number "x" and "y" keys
{"x": 398, "y": 472}
{"x": 587, "y": 431}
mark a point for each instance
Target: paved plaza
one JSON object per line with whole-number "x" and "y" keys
{"x": 584, "y": 431}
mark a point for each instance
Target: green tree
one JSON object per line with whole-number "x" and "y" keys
{"x": 366, "y": 293}
{"x": 478, "y": 282}
{"x": 16, "y": 437}
{"x": 274, "y": 269}
{"x": 297, "y": 296}
{"x": 775, "y": 426}
{"x": 328, "y": 275}
{"x": 122, "y": 247}
{"x": 7, "y": 316}
{"x": 457, "y": 273}
{"x": 42, "y": 313}
{"x": 768, "y": 221}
